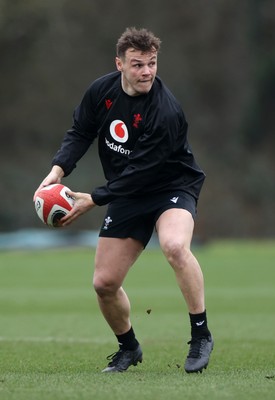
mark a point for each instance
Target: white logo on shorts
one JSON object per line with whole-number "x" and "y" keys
{"x": 174, "y": 199}
{"x": 108, "y": 220}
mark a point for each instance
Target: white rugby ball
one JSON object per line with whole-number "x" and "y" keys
{"x": 52, "y": 203}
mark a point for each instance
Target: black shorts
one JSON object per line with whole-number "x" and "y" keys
{"x": 136, "y": 217}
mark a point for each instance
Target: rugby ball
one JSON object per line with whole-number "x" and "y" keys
{"x": 52, "y": 203}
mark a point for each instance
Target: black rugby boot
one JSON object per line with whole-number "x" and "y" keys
{"x": 199, "y": 354}
{"x": 123, "y": 359}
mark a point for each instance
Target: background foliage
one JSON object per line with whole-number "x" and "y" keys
{"x": 217, "y": 57}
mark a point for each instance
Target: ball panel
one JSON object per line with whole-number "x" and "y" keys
{"x": 56, "y": 213}
{"x": 39, "y": 203}
{"x": 68, "y": 199}
{"x": 56, "y": 217}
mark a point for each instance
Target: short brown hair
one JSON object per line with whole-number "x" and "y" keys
{"x": 139, "y": 39}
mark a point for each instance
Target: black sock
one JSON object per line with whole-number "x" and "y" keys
{"x": 127, "y": 341}
{"x": 199, "y": 325}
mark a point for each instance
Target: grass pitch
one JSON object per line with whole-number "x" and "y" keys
{"x": 54, "y": 341}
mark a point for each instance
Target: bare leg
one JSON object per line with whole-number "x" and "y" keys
{"x": 114, "y": 257}
{"x": 175, "y": 230}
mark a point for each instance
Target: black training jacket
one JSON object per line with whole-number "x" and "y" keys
{"x": 142, "y": 141}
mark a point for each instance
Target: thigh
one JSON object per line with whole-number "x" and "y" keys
{"x": 114, "y": 257}
{"x": 128, "y": 218}
{"x": 175, "y": 226}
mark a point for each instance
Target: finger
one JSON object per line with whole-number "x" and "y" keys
{"x": 70, "y": 217}
{"x": 71, "y": 194}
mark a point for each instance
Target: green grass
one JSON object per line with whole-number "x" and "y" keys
{"x": 54, "y": 341}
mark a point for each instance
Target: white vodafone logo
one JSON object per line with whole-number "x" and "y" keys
{"x": 119, "y": 131}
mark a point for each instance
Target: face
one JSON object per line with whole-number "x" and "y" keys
{"x": 138, "y": 71}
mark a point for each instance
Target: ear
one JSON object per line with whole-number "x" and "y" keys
{"x": 118, "y": 64}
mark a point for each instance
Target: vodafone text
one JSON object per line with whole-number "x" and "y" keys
{"x": 118, "y": 149}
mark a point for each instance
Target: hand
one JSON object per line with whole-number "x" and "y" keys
{"x": 54, "y": 176}
{"x": 83, "y": 203}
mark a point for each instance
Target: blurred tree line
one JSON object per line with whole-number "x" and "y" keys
{"x": 217, "y": 57}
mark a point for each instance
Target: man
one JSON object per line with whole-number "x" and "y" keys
{"x": 153, "y": 182}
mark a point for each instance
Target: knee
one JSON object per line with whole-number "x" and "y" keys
{"x": 176, "y": 252}
{"x": 104, "y": 287}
